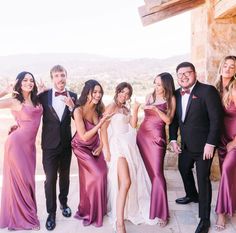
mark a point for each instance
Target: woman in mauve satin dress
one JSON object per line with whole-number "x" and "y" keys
{"x": 159, "y": 110}
{"x": 226, "y": 85}
{"x": 88, "y": 150}
{"x": 18, "y": 204}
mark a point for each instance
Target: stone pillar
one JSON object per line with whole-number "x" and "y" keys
{"x": 212, "y": 39}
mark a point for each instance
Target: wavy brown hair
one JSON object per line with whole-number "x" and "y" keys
{"x": 122, "y": 86}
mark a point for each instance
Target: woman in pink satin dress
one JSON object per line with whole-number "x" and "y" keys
{"x": 88, "y": 150}
{"x": 18, "y": 205}
{"x": 159, "y": 110}
{"x": 226, "y": 200}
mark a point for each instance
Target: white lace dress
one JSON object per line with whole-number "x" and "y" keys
{"x": 122, "y": 142}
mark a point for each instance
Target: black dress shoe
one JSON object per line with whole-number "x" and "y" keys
{"x": 203, "y": 226}
{"x": 66, "y": 211}
{"x": 186, "y": 200}
{"x": 51, "y": 222}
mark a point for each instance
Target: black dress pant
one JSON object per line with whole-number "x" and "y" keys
{"x": 56, "y": 162}
{"x": 203, "y": 168}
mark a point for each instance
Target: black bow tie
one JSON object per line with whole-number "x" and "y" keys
{"x": 60, "y": 93}
{"x": 185, "y": 92}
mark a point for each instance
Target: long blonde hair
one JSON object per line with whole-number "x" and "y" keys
{"x": 218, "y": 84}
{"x": 228, "y": 96}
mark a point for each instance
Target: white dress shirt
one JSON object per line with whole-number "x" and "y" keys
{"x": 58, "y": 103}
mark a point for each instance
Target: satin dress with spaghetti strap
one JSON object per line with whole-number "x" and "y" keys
{"x": 226, "y": 200}
{"x": 18, "y": 204}
{"x": 92, "y": 179}
{"x": 151, "y": 140}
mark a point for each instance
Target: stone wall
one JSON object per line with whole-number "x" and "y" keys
{"x": 212, "y": 39}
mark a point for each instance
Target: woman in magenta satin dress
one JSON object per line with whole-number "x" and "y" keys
{"x": 88, "y": 150}
{"x": 18, "y": 205}
{"x": 226, "y": 200}
{"x": 151, "y": 139}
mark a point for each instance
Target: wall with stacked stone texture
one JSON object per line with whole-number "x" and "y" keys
{"x": 212, "y": 39}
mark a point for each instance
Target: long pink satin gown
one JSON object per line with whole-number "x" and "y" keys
{"x": 18, "y": 204}
{"x": 226, "y": 200}
{"x": 151, "y": 140}
{"x": 92, "y": 179}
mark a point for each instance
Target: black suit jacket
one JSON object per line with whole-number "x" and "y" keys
{"x": 54, "y": 131}
{"x": 203, "y": 118}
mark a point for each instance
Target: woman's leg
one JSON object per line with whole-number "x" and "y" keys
{"x": 123, "y": 188}
{"x": 220, "y": 223}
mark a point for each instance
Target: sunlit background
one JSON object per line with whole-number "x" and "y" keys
{"x": 106, "y": 27}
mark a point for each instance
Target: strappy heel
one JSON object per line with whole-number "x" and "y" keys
{"x": 120, "y": 229}
{"x": 162, "y": 223}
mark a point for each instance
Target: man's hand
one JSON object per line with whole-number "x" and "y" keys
{"x": 69, "y": 101}
{"x": 176, "y": 148}
{"x": 230, "y": 146}
{"x": 208, "y": 151}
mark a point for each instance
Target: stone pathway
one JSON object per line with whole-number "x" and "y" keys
{"x": 183, "y": 218}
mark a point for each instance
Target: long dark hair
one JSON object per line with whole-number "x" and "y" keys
{"x": 89, "y": 88}
{"x": 168, "y": 85}
{"x": 17, "y": 88}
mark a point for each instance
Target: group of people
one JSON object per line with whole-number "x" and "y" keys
{"x": 18, "y": 204}
{"x": 121, "y": 171}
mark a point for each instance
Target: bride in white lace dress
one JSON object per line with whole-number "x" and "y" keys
{"x": 128, "y": 183}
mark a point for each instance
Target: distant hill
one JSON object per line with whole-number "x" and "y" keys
{"x": 86, "y": 65}
{"x": 82, "y": 67}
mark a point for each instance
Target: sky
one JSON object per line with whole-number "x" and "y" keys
{"x": 106, "y": 27}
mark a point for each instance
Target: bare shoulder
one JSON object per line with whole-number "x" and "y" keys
{"x": 78, "y": 110}
{"x": 110, "y": 108}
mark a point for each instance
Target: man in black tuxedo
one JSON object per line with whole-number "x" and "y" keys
{"x": 198, "y": 116}
{"x": 56, "y": 142}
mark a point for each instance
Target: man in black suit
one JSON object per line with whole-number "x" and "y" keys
{"x": 198, "y": 116}
{"x": 56, "y": 142}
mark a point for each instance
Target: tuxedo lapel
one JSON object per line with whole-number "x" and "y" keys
{"x": 179, "y": 105}
{"x": 64, "y": 113}
{"x": 190, "y": 99}
{"x": 50, "y": 105}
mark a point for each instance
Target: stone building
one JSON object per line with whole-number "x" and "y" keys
{"x": 213, "y": 36}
